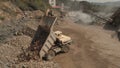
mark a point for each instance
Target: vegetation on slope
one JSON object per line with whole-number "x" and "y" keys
{"x": 30, "y": 4}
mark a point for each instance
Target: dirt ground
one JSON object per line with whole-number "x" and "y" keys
{"x": 93, "y": 47}
{"x": 13, "y": 44}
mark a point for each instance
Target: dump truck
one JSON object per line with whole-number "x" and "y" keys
{"x": 48, "y": 43}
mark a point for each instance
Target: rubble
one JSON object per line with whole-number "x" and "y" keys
{"x": 11, "y": 46}
{"x": 16, "y": 33}
{"x": 35, "y": 64}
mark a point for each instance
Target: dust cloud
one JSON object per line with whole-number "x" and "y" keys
{"x": 80, "y": 17}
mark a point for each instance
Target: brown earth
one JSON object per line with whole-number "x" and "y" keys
{"x": 93, "y": 47}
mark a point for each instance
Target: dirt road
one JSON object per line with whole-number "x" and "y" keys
{"x": 93, "y": 47}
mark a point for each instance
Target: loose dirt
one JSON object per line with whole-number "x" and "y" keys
{"x": 93, "y": 47}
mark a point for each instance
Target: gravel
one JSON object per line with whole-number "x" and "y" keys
{"x": 11, "y": 46}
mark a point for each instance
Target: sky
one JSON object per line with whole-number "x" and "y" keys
{"x": 100, "y": 0}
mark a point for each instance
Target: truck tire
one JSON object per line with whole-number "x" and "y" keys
{"x": 65, "y": 49}
{"x": 50, "y": 55}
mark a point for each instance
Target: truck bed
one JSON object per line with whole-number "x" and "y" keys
{"x": 44, "y": 37}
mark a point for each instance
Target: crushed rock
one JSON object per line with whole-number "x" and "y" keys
{"x": 10, "y": 50}
{"x": 36, "y": 64}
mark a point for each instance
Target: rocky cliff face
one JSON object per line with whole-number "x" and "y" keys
{"x": 8, "y": 10}
{"x": 16, "y": 10}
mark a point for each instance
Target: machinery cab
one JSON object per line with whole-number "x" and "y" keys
{"x": 63, "y": 39}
